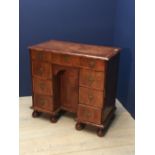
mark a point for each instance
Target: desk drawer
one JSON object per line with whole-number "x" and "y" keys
{"x": 64, "y": 59}
{"x": 42, "y": 70}
{"x": 89, "y": 114}
{"x": 43, "y": 87}
{"x": 44, "y": 102}
{"x": 91, "y": 97}
{"x": 40, "y": 55}
{"x": 92, "y": 79}
{"x": 89, "y": 63}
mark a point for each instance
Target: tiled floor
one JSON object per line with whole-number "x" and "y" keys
{"x": 40, "y": 137}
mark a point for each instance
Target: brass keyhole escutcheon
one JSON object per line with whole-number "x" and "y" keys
{"x": 90, "y": 79}
{"x": 39, "y": 56}
{"x": 42, "y": 101}
{"x": 40, "y": 71}
{"x": 88, "y": 114}
{"x": 90, "y": 96}
{"x": 92, "y": 63}
{"x": 42, "y": 86}
{"x": 66, "y": 58}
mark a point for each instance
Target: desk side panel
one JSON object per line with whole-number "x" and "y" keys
{"x": 110, "y": 86}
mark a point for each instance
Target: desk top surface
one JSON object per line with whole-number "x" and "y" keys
{"x": 77, "y": 49}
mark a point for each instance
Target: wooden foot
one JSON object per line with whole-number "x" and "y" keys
{"x": 79, "y": 126}
{"x": 54, "y": 119}
{"x": 36, "y": 114}
{"x": 100, "y": 132}
{"x": 113, "y": 117}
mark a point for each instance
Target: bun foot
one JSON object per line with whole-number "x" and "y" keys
{"x": 53, "y": 119}
{"x": 36, "y": 114}
{"x": 100, "y": 132}
{"x": 79, "y": 126}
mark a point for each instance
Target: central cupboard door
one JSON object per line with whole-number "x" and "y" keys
{"x": 69, "y": 86}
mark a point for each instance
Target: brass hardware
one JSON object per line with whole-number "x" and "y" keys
{"x": 90, "y": 96}
{"x": 88, "y": 114}
{"x": 42, "y": 101}
{"x": 92, "y": 63}
{"x": 90, "y": 80}
{"x": 66, "y": 58}
{"x": 40, "y": 71}
{"x": 42, "y": 86}
{"x": 40, "y": 56}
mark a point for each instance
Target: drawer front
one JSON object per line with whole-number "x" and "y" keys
{"x": 89, "y": 114}
{"x": 42, "y": 70}
{"x": 44, "y": 102}
{"x": 89, "y": 63}
{"x": 91, "y": 97}
{"x": 92, "y": 79}
{"x": 43, "y": 87}
{"x": 40, "y": 55}
{"x": 63, "y": 59}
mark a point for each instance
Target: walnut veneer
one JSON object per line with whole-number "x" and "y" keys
{"x": 75, "y": 77}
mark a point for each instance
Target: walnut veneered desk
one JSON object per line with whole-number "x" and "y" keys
{"x": 75, "y": 77}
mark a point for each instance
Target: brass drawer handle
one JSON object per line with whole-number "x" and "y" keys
{"x": 42, "y": 86}
{"x": 40, "y": 71}
{"x": 66, "y": 58}
{"x": 90, "y": 96}
{"x": 92, "y": 64}
{"x": 87, "y": 114}
{"x": 90, "y": 80}
{"x": 41, "y": 101}
{"x": 39, "y": 56}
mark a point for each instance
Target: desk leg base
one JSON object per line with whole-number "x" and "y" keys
{"x": 36, "y": 114}
{"x": 102, "y": 131}
{"x": 54, "y": 119}
{"x": 79, "y": 126}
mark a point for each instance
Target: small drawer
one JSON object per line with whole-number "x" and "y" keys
{"x": 90, "y": 63}
{"x": 64, "y": 59}
{"x": 92, "y": 79}
{"x": 40, "y": 55}
{"x": 42, "y": 70}
{"x": 91, "y": 97}
{"x": 89, "y": 114}
{"x": 44, "y": 102}
{"x": 43, "y": 87}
